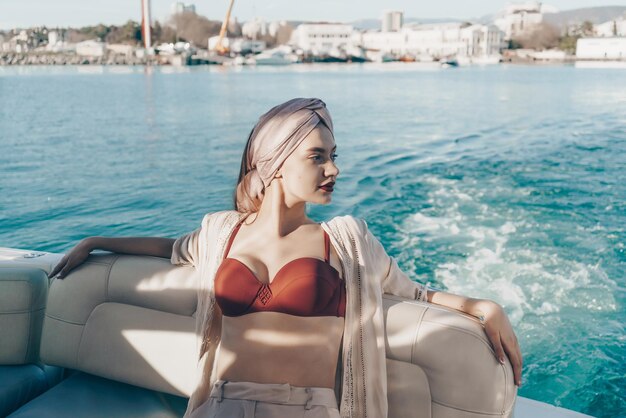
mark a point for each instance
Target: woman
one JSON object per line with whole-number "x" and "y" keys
{"x": 289, "y": 314}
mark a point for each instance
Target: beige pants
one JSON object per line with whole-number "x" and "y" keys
{"x": 262, "y": 400}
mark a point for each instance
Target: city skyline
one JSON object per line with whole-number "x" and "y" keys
{"x": 74, "y": 13}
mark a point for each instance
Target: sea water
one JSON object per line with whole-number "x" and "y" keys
{"x": 503, "y": 182}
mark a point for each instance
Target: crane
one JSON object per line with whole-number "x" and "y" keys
{"x": 218, "y": 46}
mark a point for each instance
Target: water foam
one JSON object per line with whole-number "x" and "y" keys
{"x": 498, "y": 251}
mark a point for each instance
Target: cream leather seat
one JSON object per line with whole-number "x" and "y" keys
{"x": 23, "y": 376}
{"x": 124, "y": 325}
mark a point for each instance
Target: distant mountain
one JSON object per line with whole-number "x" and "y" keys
{"x": 484, "y": 20}
{"x": 592, "y": 14}
{"x": 368, "y": 24}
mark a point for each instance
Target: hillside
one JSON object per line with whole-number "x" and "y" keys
{"x": 592, "y": 14}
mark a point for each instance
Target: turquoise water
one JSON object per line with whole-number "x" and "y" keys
{"x": 505, "y": 183}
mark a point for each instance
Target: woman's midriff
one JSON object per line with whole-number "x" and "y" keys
{"x": 273, "y": 347}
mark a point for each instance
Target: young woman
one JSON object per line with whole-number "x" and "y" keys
{"x": 289, "y": 315}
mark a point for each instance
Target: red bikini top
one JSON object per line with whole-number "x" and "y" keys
{"x": 306, "y": 286}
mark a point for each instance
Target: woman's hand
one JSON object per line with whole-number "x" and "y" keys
{"x": 496, "y": 324}
{"x": 500, "y": 334}
{"x": 74, "y": 258}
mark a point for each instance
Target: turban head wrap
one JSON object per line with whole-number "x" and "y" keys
{"x": 274, "y": 137}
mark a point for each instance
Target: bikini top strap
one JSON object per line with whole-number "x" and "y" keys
{"x": 326, "y": 247}
{"x": 232, "y": 238}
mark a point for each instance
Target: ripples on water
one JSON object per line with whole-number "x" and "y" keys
{"x": 505, "y": 183}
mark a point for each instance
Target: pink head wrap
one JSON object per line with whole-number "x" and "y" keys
{"x": 275, "y": 136}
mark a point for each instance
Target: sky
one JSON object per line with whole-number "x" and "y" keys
{"x": 77, "y": 13}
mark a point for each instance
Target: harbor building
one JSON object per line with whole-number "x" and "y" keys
{"x": 280, "y": 31}
{"x": 436, "y": 40}
{"x": 392, "y": 21}
{"x": 519, "y": 18}
{"x": 19, "y": 43}
{"x": 90, "y": 48}
{"x": 613, "y": 48}
{"x": 256, "y": 28}
{"x": 615, "y": 27}
{"x": 322, "y": 37}
{"x": 180, "y": 7}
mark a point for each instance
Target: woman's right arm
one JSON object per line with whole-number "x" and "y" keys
{"x": 154, "y": 246}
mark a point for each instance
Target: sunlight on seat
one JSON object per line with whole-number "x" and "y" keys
{"x": 150, "y": 345}
{"x": 162, "y": 280}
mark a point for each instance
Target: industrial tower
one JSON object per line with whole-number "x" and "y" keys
{"x": 146, "y": 33}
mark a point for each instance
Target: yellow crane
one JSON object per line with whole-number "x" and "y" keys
{"x": 219, "y": 48}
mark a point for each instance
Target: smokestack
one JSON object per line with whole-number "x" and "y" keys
{"x": 145, "y": 24}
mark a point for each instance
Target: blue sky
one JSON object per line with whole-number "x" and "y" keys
{"x": 26, "y": 13}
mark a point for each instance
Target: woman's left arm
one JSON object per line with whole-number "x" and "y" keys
{"x": 495, "y": 321}
{"x": 394, "y": 281}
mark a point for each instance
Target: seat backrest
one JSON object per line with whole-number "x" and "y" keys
{"x": 126, "y": 318}
{"x": 131, "y": 319}
{"x": 453, "y": 352}
{"x": 22, "y": 302}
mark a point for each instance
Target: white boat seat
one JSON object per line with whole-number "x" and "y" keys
{"x": 88, "y": 396}
{"x": 122, "y": 319}
{"x": 22, "y": 303}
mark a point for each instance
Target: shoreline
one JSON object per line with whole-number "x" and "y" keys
{"x": 60, "y": 60}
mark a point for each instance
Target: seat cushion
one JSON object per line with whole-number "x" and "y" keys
{"x": 23, "y": 294}
{"x": 408, "y": 390}
{"x": 20, "y": 384}
{"x": 89, "y": 396}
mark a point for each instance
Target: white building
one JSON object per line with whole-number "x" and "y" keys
{"x": 180, "y": 7}
{"x": 18, "y": 43}
{"x": 57, "y": 44}
{"x": 53, "y": 37}
{"x": 280, "y": 31}
{"x": 322, "y": 37}
{"x": 616, "y": 27}
{"x": 519, "y": 18}
{"x": 121, "y": 49}
{"x": 255, "y": 28}
{"x": 601, "y": 48}
{"x": 90, "y": 48}
{"x": 391, "y": 21}
{"x": 4, "y": 46}
{"x": 437, "y": 40}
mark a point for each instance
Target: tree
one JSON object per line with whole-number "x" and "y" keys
{"x": 543, "y": 36}
{"x": 233, "y": 28}
{"x": 129, "y": 33}
{"x": 100, "y": 31}
{"x": 587, "y": 28}
{"x": 513, "y": 44}
{"x": 567, "y": 43}
{"x": 194, "y": 28}
{"x": 163, "y": 33}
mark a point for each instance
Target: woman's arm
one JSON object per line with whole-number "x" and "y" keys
{"x": 491, "y": 315}
{"x": 494, "y": 319}
{"x": 154, "y": 246}
{"x": 158, "y": 247}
